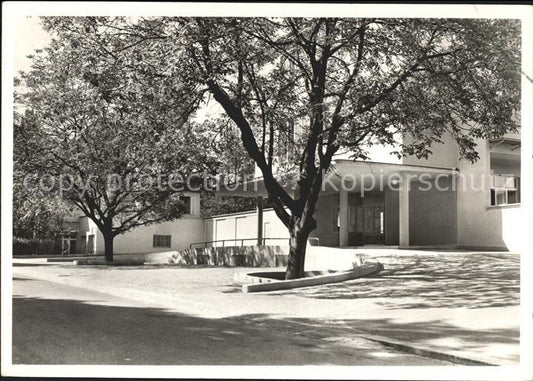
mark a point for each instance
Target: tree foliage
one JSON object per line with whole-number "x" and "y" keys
{"x": 108, "y": 131}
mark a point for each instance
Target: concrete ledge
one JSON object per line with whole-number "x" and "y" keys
{"x": 68, "y": 259}
{"x": 157, "y": 257}
{"x": 116, "y": 262}
{"x": 270, "y": 284}
{"x": 275, "y": 276}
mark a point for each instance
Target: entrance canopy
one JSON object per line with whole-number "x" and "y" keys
{"x": 348, "y": 176}
{"x": 355, "y": 175}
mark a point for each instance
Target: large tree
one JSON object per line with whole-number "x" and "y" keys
{"x": 301, "y": 89}
{"x": 347, "y": 83}
{"x": 106, "y": 126}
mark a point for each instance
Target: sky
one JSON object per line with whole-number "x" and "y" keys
{"x": 29, "y": 35}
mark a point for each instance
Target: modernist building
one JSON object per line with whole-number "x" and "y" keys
{"x": 448, "y": 202}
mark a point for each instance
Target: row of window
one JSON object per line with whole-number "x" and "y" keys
{"x": 366, "y": 219}
{"x": 505, "y": 189}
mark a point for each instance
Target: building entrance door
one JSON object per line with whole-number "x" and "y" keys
{"x": 90, "y": 244}
{"x": 372, "y": 224}
{"x": 366, "y": 219}
{"x": 83, "y": 244}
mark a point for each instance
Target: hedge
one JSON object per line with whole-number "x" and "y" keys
{"x": 36, "y": 246}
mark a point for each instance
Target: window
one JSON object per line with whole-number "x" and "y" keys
{"x": 161, "y": 240}
{"x": 352, "y": 219}
{"x": 337, "y": 221}
{"x": 352, "y": 215}
{"x": 187, "y": 201}
{"x": 505, "y": 189}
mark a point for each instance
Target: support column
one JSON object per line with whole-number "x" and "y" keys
{"x": 259, "y": 202}
{"x": 404, "y": 211}
{"x": 343, "y": 217}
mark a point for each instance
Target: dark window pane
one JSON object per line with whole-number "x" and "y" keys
{"x": 512, "y": 197}
{"x": 517, "y": 184}
{"x": 161, "y": 241}
{"x": 187, "y": 201}
{"x": 500, "y": 197}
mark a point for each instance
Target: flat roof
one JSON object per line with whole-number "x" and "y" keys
{"x": 247, "y": 188}
{"x": 396, "y": 164}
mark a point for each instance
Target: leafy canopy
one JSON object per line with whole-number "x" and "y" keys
{"x": 109, "y": 130}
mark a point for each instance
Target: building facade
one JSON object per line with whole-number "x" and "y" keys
{"x": 441, "y": 201}
{"x": 164, "y": 236}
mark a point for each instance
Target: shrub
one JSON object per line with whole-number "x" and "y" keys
{"x": 36, "y": 246}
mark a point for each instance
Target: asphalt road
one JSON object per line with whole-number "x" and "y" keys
{"x": 60, "y": 324}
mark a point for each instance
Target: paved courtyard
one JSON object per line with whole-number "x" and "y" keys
{"x": 429, "y": 281}
{"x": 460, "y": 304}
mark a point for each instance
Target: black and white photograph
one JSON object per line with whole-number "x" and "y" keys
{"x": 292, "y": 190}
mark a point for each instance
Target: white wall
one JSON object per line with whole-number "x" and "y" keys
{"x": 183, "y": 232}
{"x": 86, "y": 228}
{"x": 444, "y": 154}
{"x": 478, "y": 223}
{"x": 244, "y": 225}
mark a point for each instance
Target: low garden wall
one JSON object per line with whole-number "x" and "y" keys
{"x": 317, "y": 257}
{"x": 250, "y": 256}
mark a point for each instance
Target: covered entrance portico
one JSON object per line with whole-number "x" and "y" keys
{"x": 374, "y": 200}
{"x": 361, "y": 203}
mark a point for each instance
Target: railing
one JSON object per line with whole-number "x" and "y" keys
{"x": 241, "y": 240}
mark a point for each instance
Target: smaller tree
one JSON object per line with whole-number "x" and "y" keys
{"x": 36, "y": 215}
{"x": 108, "y": 132}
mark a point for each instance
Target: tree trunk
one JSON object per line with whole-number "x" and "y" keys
{"x": 299, "y": 230}
{"x": 108, "y": 244}
{"x": 297, "y": 247}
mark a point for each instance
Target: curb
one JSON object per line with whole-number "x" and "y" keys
{"x": 267, "y": 284}
{"x": 425, "y": 352}
{"x": 119, "y": 262}
{"x": 411, "y": 349}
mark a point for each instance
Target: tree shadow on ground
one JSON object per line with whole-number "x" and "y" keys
{"x": 427, "y": 281}
{"x": 59, "y": 331}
